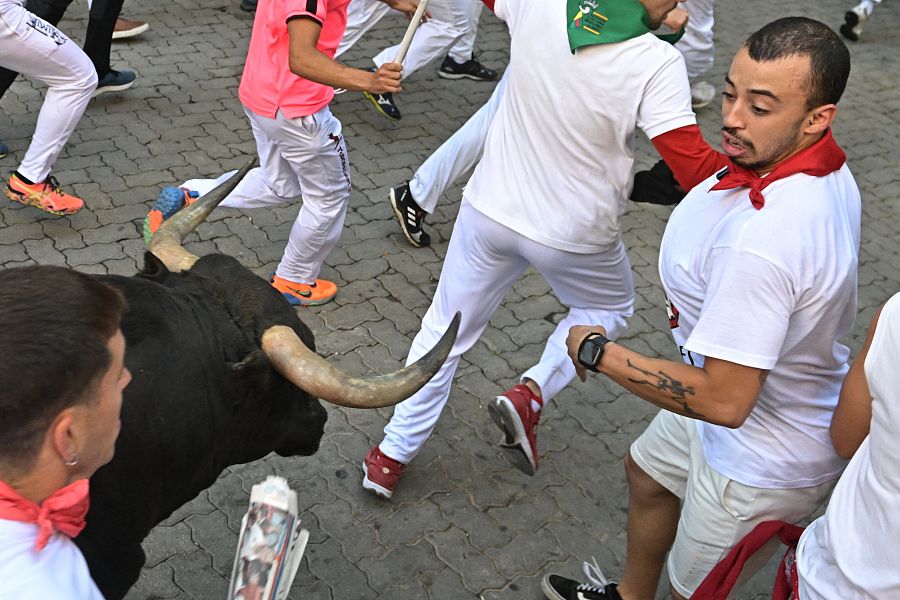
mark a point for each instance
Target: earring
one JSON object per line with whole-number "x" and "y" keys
{"x": 72, "y": 460}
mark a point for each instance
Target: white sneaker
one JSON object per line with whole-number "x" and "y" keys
{"x": 702, "y": 93}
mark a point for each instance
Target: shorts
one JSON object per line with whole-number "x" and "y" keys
{"x": 716, "y": 512}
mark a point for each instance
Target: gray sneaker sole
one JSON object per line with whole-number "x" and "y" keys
{"x": 446, "y": 75}
{"x": 519, "y": 451}
{"x": 374, "y": 487}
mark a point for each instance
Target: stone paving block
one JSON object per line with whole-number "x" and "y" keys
{"x": 155, "y": 583}
{"x": 344, "y": 578}
{"x": 164, "y": 541}
{"x": 211, "y": 532}
{"x": 194, "y": 574}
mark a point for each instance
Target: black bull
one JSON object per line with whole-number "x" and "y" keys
{"x": 204, "y": 395}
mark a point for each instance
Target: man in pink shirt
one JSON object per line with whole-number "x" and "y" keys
{"x": 287, "y": 84}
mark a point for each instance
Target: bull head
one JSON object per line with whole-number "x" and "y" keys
{"x": 287, "y": 353}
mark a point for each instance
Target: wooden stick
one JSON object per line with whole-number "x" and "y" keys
{"x": 410, "y": 32}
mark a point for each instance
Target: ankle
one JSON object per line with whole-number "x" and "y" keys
{"x": 627, "y": 592}
{"x": 22, "y": 178}
{"x": 532, "y": 385}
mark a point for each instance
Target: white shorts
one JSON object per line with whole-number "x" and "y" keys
{"x": 716, "y": 512}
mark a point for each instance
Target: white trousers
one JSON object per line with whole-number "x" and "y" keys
{"x": 483, "y": 261}
{"x": 33, "y": 47}
{"x": 452, "y": 28}
{"x": 460, "y": 153}
{"x": 697, "y": 43}
{"x": 307, "y": 157}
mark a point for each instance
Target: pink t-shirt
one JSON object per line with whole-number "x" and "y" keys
{"x": 268, "y": 85}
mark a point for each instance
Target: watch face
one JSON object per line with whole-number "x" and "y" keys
{"x": 590, "y": 352}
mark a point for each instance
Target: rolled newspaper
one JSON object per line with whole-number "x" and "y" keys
{"x": 270, "y": 545}
{"x": 410, "y": 32}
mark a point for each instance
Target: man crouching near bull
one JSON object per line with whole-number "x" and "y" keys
{"x": 287, "y": 84}
{"x": 61, "y": 382}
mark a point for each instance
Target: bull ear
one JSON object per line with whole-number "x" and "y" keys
{"x": 153, "y": 267}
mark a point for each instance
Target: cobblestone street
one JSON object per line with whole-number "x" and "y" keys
{"x": 464, "y": 523}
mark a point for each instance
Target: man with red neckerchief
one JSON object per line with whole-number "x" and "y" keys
{"x": 55, "y": 431}
{"x": 759, "y": 265}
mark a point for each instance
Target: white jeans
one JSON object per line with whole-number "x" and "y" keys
{"x": 452, "y": 28}
{"x": 33, "y": 47}
{"x": 697, "y": 43}
{"x": 460, "y": 153}
{"x": 307, "y": 157}
{"x": 483, "y": 261}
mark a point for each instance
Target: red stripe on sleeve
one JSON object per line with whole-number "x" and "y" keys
{"x": 689, "y": 156}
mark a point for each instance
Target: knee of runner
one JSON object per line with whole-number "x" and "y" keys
{"x": 641, "y": 485}
{"x": 88, "y": 81}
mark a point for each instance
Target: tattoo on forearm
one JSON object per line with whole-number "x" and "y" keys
{"x": 666, "y": 384}
{"x": 762, "y": 377}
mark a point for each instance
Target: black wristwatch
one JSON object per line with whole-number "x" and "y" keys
{"x": 591, "y": 351}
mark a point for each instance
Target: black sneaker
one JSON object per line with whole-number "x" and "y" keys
{"x": 852, "y": 27}
{"x": 3, "y": 150}
{"x": 471, "y": 69}
{"x": 410, "y": 215}
{"x": 248, "y": 5}
{"x": 384, "y": 103}
{"x": 114, "y": 81}
{"x": 556, "y": 587}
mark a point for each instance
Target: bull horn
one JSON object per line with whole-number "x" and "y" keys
{"x": 166, "y": 242}
{"x": 314, "y": 375}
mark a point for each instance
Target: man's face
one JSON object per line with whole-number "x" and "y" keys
{"x": 764, "y": 110}
{"x": 102, "y": 410}
{"x": 658, "y": 9}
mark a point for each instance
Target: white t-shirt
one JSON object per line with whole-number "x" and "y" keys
{"x": 851, "y": 552}
{"x": 58, "y": 572}
{"x": 772, "y": 289}
{"x": 560, "y": 150}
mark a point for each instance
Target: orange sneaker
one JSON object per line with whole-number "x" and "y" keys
{"x": 44, "y": 195}
{"x": 304, "y": 294}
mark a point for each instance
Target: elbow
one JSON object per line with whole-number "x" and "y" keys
{"x": 844, "y": 451}
{"x": 731, "y": 416}
{"x": 297, "y": 63}
{"x": 843, "y": 447}
{"x": 296, "y": 67}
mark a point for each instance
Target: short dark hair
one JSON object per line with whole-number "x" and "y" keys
{"x": 829, "y": 59}
{"x": 55, "y": 324}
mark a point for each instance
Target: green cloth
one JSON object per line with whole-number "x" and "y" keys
{"x": 592, "y": 22}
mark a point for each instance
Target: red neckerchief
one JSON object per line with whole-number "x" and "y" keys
{"x": 820, "y": 159}
{"x": 63, "y": 511}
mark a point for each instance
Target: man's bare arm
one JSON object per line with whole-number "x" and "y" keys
{"x": 308, "y": 62}
{"x": 720, "y": 392}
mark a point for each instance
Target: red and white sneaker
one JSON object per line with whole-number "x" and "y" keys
{"x": 513, "y": 414}
{"x": 381, "y": 473}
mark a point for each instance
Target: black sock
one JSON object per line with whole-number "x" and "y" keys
{"x": 23, "y": 179}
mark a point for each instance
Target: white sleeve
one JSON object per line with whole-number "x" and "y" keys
{"x": 666, "y": 103}
{"x": 746, "y": 311}
{"x": 507, "y": 10}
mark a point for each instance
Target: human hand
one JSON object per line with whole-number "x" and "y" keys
{"x": 576, "y": 335}
{"x": 676, "y": 20}
{"x": 408, "y": 8}
{"x": 386, "y": 79}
